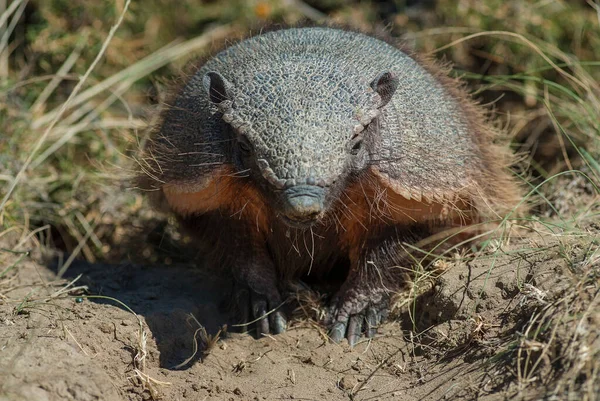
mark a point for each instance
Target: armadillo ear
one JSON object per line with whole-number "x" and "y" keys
{"x": 385, "y": 84}
{"x": 217, "y": 87}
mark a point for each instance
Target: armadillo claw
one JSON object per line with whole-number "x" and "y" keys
{"x": 337, "y": 332}
{"x": 372, "y": 320}
{"x": 355, "y": 329}
{"x": 278, "y": 322}
{"x": 259, "y": 312}
{"x": 351, "y": 326}
{"x": 259, "y": 309}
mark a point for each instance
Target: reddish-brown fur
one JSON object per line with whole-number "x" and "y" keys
{"x": 226, "y": 193}
{"x": 368, "y": 205}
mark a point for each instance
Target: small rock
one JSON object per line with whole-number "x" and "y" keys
{"x": 348, "y": 382}
{"x": 105, "y": 327}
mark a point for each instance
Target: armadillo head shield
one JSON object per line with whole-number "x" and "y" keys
{"x": 300, "y": 127}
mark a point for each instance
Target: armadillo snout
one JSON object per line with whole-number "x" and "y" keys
{"x": 302, "y": 204}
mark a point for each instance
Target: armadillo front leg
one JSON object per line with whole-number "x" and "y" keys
{"x": 241, "y": 251}
{"x": 256, "y": 293}
{"x": 377, "y": 272}
{"x": 355, "y": 309}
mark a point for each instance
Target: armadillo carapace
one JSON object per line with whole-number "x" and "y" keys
{"x": 298, "y": 151}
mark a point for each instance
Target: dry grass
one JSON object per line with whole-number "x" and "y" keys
{"x": 556, "y": 351}
{"x": 72, "y": 118}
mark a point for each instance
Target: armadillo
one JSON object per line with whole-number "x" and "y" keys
{"x": 304, "y": 150}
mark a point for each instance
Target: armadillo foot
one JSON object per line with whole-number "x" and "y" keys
{"x": 262, "y": 310}
{"x": 354, "y": 313}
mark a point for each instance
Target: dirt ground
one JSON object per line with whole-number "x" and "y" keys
{"x": 468, "y": 337}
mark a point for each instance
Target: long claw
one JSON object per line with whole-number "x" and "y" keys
{"x": 354, "y": 329}
{"x": 259, "y": 310}
{"x": 337, "y": 332}
{"x": 278, "y": 322}
{"x": 372, "y": 319}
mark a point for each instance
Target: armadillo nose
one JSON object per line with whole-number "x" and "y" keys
{"x": 303, "y": 204}
{"x": 304, "y": 207}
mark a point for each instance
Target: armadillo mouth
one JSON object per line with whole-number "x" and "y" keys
{"x": 302, "y": 225}
{"x": 302, "y": 205}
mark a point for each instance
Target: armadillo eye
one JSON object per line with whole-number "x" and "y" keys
{"x": 244, "y": 146}
{"x": 356, "y": 147}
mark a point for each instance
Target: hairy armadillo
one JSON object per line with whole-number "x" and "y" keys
{"x": 303, "y": 150}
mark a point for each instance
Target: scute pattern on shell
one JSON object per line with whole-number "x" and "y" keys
{"x": 299, "y": 116}
{"x": 298, "y": 94}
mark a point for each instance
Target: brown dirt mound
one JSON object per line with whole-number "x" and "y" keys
{"x": 520, "y": 321}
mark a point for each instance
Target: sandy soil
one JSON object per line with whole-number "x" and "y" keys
{"x": 58, "y": 344}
